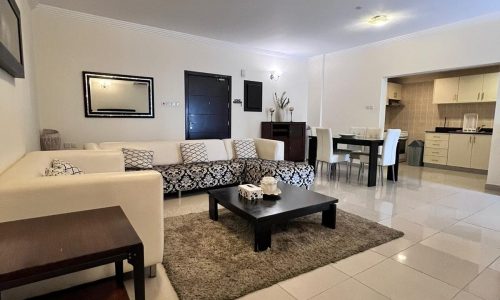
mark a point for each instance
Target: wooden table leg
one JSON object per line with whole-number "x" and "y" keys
{"x": 262, "y": 236}
{"x": 119, "y": 272}
{"x": 212, "y": 208}
{"x": 137, "y": 261}
{"x": 329, "y": 217}
{"x": 372, "y": 166}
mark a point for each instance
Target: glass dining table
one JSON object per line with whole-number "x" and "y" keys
{"x": 372, "y": 145}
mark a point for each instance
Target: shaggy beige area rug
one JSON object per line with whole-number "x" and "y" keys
{"x": 208, "y": 259}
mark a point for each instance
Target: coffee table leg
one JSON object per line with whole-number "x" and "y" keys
{"x": 262, "y": 237}
{"x": 212, "y": 208}
{"x": 119, "y": 272}
{"x": 137, "y": 260}
{"x": 329, "y": 217}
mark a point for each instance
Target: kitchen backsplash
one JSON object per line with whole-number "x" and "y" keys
{"x": 418, "y": 114}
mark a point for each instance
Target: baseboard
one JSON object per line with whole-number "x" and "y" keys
{"x": 460, "y": 169}
{"x": 492, "y": 187}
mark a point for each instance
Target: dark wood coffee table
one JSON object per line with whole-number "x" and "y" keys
{"x": 35, "y": 249}
{"x": 295, "y": 202}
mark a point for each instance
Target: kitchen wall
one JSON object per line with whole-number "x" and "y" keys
{"x": 67, "y": 43}
{"x": 19, "y": 130}
{"x": 418, "y": 114}
{"x": 355, "y": 79}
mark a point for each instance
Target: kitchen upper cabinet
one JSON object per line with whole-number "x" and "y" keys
{"x": 470, "y": 88}
{"x": 480, "y": 158}
{"x": 394, "y": 91}
{"x": 466, "y": 89}
{"x": 490, "y": 87}
{"x": 469, "y": 151}
{"x": 445, "y": 90}
{"x": 460, "y": 150}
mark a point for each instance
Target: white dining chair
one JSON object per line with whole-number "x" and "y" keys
{"x": 326, "y": 154}
{"x": 356, "y": 150}
{"x": 388, "y": 156}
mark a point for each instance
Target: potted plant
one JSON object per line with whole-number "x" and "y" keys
{"x": 281, "y": 104}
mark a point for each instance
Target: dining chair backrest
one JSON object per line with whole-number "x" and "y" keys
{"x": 360, "y": 132}
{"x": 374, "y": 133}
{"x": 313, "y": 131}
{"x": 389, "y": 151}
{"x": 325, "y": 144}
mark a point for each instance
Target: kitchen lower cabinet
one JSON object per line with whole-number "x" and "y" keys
{"x": 480, "y": 157}
{"x": 436, "y": 148}
{"x": 469, "y": 151}
{"x": 460, "y": 150}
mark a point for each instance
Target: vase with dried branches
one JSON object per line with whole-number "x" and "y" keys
{"x": 281, "y": 104}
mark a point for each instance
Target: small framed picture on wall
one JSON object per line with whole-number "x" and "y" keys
{"x": 11, "y": 46}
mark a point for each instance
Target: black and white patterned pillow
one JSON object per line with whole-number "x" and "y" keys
{"x": 245, "y": 148}
{"x": 138, "y": 159}
{"x": 61, "y": 168}
{"x": 194, "y": 152}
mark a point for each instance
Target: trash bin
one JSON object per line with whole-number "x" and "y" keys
{"x": 416, "y": 153}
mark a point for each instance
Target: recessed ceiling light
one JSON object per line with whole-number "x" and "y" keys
{"x": 378, "y": 20}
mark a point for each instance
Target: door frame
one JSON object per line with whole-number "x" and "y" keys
{"x": 186, "y": 97}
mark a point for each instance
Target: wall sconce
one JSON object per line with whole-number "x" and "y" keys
{"x": 274, "y": 76}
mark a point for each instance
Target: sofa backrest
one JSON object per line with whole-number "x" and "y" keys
{"x": 168, "y": 152}
{"x": 33, "y": 164}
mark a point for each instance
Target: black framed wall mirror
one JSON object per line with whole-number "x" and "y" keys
{"x": 118, "y": 96}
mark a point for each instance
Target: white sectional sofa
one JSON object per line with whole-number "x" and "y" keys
{"x": 25, "y": 193}
{"x": 223, "y": 167}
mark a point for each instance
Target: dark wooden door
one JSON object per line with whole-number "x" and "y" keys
{"x": 208, "y": 108}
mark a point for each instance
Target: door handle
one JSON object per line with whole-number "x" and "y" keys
{"x": 482, "y": 96}
{"x": 470, "y": 139}
{"x": 474, "y": 140}
{"x": 478, "y": 95}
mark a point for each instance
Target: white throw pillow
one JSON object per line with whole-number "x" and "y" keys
{"x": 138, "y": 159}
{"x": 61, "y": 168}
{"x": 245, "y": 148}
{"x": 194, "y": 152}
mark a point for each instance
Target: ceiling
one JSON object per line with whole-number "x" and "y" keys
{"x": 292, "y": 27}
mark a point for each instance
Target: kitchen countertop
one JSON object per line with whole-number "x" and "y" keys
{"x": 461, "y": 132}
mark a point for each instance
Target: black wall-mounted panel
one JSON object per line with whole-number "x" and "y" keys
{"x": 253, "y": 96}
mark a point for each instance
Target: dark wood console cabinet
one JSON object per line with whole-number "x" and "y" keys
{"x": 292, "y": 133}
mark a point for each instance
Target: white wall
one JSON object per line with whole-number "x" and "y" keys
{"x": 67, "y": 43}
{"x": 18, "y": 112}
{"x": 354, "y": 79}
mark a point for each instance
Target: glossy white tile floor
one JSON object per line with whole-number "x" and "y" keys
{"x": 451, "y": 247}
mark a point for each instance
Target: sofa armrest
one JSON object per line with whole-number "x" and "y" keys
{"x": 140, "y": 195}
{"x": 270, "y": 149}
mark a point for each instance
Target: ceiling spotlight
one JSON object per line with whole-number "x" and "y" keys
{"x": 378, "y": 20}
